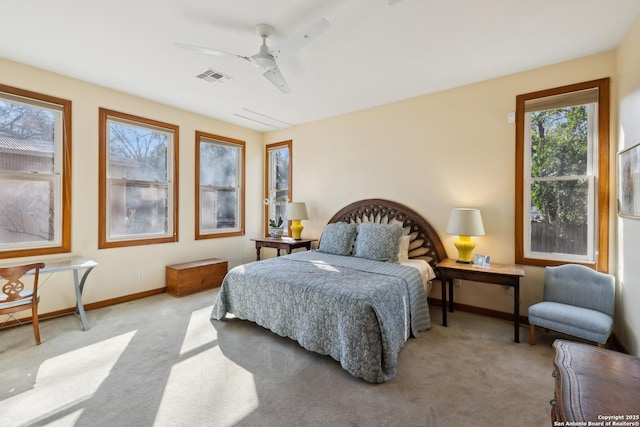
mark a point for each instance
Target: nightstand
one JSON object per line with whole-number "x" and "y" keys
{"x": 498, "y": 274}
{"x": 286, "y": 243}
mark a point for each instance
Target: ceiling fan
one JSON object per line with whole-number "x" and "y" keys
{"x": 267, "y": 59}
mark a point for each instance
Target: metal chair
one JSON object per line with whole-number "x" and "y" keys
{"x": 577, "y": 301}
{"x": 15, "y": 298}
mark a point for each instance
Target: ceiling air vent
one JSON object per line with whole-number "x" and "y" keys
{"x": 213, "y": 76}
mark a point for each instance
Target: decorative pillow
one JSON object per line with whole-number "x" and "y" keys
{"x": 403, "y": 253}
{"x": 380, "y": 242}
{"x": 338, "y": 238}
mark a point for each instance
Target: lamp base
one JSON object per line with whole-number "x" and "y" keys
{"x": 296, "y": 229}
{"x": 465, "y": 247}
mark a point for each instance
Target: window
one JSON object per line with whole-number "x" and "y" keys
{"x": 278, "y": 182}
{"x": 220, "y": 186}
{"x": 562, "y": 175}
{"x": 138, "y": 200}
{"x": 35, "y": 173}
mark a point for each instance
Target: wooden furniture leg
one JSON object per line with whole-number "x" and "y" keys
{"x": 532, "y": 335}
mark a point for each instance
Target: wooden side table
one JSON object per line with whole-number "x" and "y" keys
{"x": 286, "y": 243}
{"x": 498, "y": 274}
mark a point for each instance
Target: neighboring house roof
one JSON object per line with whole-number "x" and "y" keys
{"x": 26, "y": 146}
{"x": 45, "y": 149}
{"x": 120, "y": 160}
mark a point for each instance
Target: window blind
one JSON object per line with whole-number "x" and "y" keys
{"x": 581, "y": 97}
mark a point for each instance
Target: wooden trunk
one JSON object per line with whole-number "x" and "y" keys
{"x": 594, "y": 386}
{"x": 189, "y": 277}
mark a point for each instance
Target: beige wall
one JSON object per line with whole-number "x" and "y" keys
{"x": 116, "y": 274}
{"x": 435, "y": 152}
{"x": 628, "y": 301}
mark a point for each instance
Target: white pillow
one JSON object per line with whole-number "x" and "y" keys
{"x": 403, "y": 253}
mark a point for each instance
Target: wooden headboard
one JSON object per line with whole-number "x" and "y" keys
{"x": 425, "y": 242}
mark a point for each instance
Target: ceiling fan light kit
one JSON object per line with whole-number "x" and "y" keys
{"x": 267, "y": 59}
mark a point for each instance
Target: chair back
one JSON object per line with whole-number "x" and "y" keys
{"x": 580, "y": 286}
{"x": 12, "y": 290}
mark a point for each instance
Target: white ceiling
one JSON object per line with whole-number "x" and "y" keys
{"x": 373, "y": 53}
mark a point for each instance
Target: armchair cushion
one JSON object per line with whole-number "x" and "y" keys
{"x": 580, "y": 322}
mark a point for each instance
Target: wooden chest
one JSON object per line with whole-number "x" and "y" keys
{"x": 189, "y": 277}
{"x": 594, "y": 383}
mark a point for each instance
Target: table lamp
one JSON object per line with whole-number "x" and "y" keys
{"x": 296, "y": 212}
{"x": 465, "y": 222}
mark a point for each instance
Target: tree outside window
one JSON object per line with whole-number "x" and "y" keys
{"x": 220, "y": 186}
{"x": 561, "y": 181}
{"x": 562, "y": 173}
{"x": 138, "y": 180}
{"x": 35, "y": 153}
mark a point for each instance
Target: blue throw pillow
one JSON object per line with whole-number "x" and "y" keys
{"x": 338, "y": 238}
{"x": 380, "y": 242}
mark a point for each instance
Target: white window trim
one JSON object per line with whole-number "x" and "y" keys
{"x": 168, "y": 184}
{"x": 591, "y": 177}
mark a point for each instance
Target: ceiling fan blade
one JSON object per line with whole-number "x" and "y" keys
{"x": 300, "y": 40}
{"x": 208, "y": 51}
{"x": 274, "y": 75}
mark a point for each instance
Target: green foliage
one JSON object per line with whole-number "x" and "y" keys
{"x": 276, "y": 224}
{"x": 559, "y": 148}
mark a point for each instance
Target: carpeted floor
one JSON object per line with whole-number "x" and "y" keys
{"x": 161, "y": 361}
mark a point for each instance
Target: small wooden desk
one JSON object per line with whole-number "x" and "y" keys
{"x": 591, "y": 383}
{"x": 286, "y": 243}
{"x": 498, "y": 274}
{"x": 75, "y": 264}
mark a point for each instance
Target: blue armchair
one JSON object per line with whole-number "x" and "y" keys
{"x": 577, "y": 301}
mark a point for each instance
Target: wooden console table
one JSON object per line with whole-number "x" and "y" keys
{"x": 286, "y": 243}
{"x": 594, "y": 386}
{"x": 498, "y": 274}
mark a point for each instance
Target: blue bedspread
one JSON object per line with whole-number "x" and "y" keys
{"x": 358, "y": 311}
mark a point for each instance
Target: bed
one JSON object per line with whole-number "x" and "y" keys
{"x": 358, "y": 298}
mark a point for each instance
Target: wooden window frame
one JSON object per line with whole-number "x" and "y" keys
{"x": 103, "y": 241}
{"x": 277, "y": 145}
{"x": 602, "y": 235}
{"x": 65, "y": 208}
{"x": 241, "y": 232}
